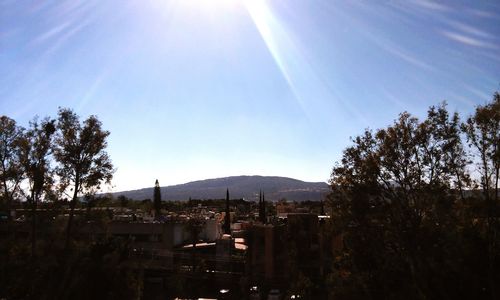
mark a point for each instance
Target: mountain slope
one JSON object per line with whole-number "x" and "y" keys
{"x": 247, "y": 187}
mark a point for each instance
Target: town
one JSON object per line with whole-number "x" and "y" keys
{"x": 222, "y": 248}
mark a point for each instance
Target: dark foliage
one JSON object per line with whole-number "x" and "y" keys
{"x": 406, "y": 205}
{"x": 98, "y": 270}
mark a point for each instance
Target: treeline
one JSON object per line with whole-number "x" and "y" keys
{"x": 56, "y": 161}
{"x": 52, "y": 159}
{"x": 417, "y": 206}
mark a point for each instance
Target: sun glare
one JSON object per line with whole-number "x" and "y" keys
{"x": 211, "y": 6}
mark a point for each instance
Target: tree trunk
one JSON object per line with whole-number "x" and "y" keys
{"x": 71, "y": 213}
{"x": 8, "y": 202}
{"x": 33, "y": 223}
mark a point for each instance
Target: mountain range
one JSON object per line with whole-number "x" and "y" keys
{"x": 240, "y": 187}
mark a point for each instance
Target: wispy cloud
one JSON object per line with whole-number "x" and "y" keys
{"x": 51, "y": 33}
{"x": 479, "y": 93}
{"x": 64, "y": 37}
{"x": 398, "y": 51}
{"x": 406, "y": 56}
{"x": 62, "y": 20}
{"x": 482, "y": 13}
{"x": 385, "y": 43}
{"x": 469, "y": 29}
{"x": 430, "y": 5}
{"x": 71, "y": 8}
{"x": 393, "y": 99}
{"x": 467, "y": 40}
{"x": 464, "y": 100}
{"x": 96, "y": 84}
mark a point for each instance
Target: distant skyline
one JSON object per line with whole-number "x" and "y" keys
{"x": 198, "y": 89}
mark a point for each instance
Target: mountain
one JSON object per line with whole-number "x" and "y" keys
{"x": 246, "y": 187}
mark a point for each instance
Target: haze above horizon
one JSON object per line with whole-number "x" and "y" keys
{"x": 199, "y": 89}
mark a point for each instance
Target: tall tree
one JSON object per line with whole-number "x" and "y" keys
{"x": 260, "y": 206}
{"x": 394, "y": 203}
{"x": 11, "y": 173}
{"x": 454, "y": 160}
{"x": 83, "y": 163}
{"x": 157, "y": 200}
{"x": 35, "y": 151}
{"x": 262, "y": 209}
{"x": 483, "y": 135}
{"x": 227, "y": 216}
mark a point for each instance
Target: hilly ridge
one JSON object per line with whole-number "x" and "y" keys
{"x": 246, "y": 187}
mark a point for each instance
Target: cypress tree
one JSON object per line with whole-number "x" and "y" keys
{"x": 260, "y": 205}
{"x": 227, "y": 217}
{"x": 262, "y": 210}
{"x": 157, "y": 200}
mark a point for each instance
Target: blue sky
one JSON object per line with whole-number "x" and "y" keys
{"x": 195, "y": 89}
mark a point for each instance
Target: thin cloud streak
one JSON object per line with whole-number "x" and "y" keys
{"x": 65, "y": 37}
{"x": 51, "y": 33}
{"x": 484, "y": 96}
{"x": 405, "y": 56}
{"x": 482, "y": 13}
{"x": 430, "y": 5}
{"x": 467, "y": 40}
{"x": 469, "y": 29}
{"x": 91, "y": 90}
{"x": 384, "y": 43}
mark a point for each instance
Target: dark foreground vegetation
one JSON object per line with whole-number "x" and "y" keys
{"x": 417, "y": 204}
{"x": 415, "y": 207}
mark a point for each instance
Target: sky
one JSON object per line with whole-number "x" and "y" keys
{"x": 198, "y": 89}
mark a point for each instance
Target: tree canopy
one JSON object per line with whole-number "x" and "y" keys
{"x": 79, "y": 150}
{"x": 11, "y": 173}
{"x": 405, "y": 200}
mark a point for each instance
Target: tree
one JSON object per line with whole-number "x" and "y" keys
{"x": 227, "y": 216}
{"x": 262, "y": 208}
{"x": 34, "y": 157}
{"x": 123, "y": 201}
{"x": 157, "y": 200}
{"x": 483, "y": 135}
{"x": 447, "y": 129}
{"x": 83, "y": 163}
{"x": 11, "y": 173}
{"x": 395, "y": 202}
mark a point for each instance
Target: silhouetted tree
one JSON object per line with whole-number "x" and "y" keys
{"x": 157, "y": 200}
{"x": 97, "y": 270}
{"x": 227, "y": 217}
{"x": 35, "y": 148}
{"x": 406, "y": 229}
{"x": 262, "y": 208}
{"x": 82, "y": 160}
{"x": 446, "y": 129}
{"x": 11, "y": 173}
{"x": 123, "y": 201}
{"x": 483, "y": 135}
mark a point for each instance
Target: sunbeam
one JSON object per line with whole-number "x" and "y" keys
{"x": 314, "y": 96}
